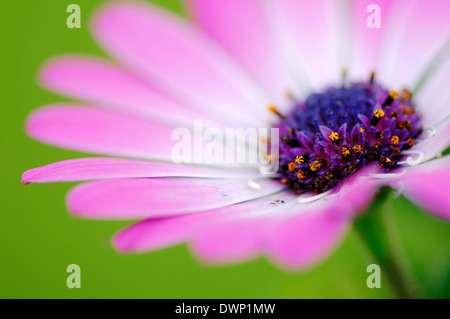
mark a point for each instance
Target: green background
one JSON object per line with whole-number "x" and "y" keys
{"x": 39, "y": 239}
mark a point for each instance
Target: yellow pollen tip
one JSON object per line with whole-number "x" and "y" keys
{"x": 378, "y": 114}
{"x": 289, "y": 94}
{"x": 334, "y": 136}
{"x": 316, "y": 165}
{"x": 361, "y": 130}
{"x": 357, "y": 148}
{"x": 301, "y": 174}
{"x": 408, "y": 110}
{"x": 372, "y": 78}
{"x": 300, "y": 159}
{"x": 394, "y": 140}
{"x": 274, "y": 110}
{"x": 405, "y": 95}
{"x": 345, "y": 151}
{"x": 393, "y": 94}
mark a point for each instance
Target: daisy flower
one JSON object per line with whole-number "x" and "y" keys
{"x": 357, "y": 108}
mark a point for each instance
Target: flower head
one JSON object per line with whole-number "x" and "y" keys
{"x": 335, "y": 133}
{"x": 337, "y": 147}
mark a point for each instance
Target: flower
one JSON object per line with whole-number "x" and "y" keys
{"x": 242, "y": 57}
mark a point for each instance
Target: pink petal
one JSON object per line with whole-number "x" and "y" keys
{"x": 158, "y": 45}
{"x": 85, "y": 169}
{"x": 433, "y": 100}
{"x": 320, "y": 227}
{"x": 141, "y": 198}
{"x": 427, "y": 185}
{"x": 437, "y": 143}
{"x": 413, "y": 43}
{"x": 158, "y": 233}
{"x": 112, "y": 87}
{"x": 241, "y": 27}
{"x": 239, "y": 239}
{"x": 367, "y": 42}
{"x": 293, "y": 236}
{"x": 307, "y": 31}
{"x": 92, "y": 130}
{"x": 232, "y": 242}
{"x": 307, "y": 237}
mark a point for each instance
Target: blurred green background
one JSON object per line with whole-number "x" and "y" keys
{"x": 39, "y": 239}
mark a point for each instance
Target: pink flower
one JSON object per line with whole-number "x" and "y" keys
{"x": 243, "y": 56}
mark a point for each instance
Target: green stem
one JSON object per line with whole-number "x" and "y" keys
{"x": 377, "y": 231}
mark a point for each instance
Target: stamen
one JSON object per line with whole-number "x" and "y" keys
{"x": 393, "y": 95}
{"x": 357, "y": 149}
{"x": 378, "y": 146}
{"x": 345, "y": 151}
{"x": 344, "y": 75}
{"x": 302, "y": 159}
{"x": 333, "y": 134}
{"x": 377, "y": 116}
{"x": 290, "y": 95}
{"x": 274, "y": 110}
{"x": 385, "y": 160}
{"x": 401, "y": 125}
{"x": 396, "y": 151}
{"x": 408, "y": 110}
{"x": 304, "y": 200}
{"x": 372, "y": 78}
{"x": 316, "y": 165}
{"x": 302, "y": 174}
{"x": 394, "y": 140}
{"x": 405, "y": 95}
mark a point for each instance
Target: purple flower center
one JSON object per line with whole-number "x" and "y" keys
{"x": 335, "y": 133}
